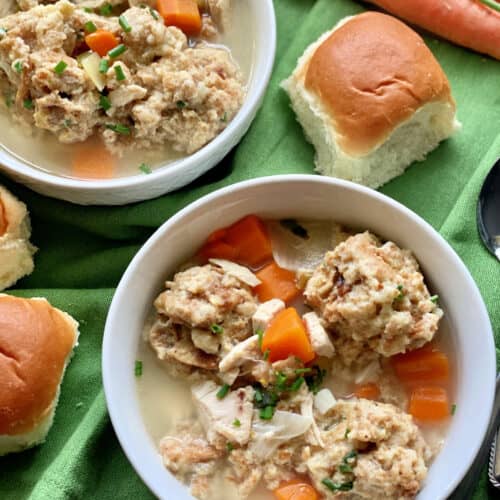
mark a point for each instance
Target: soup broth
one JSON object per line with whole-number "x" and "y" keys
{"x": 42, "y": 150}
{"x": 166, "y": 401}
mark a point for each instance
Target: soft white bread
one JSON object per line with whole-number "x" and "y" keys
{"x": 371, "y": 98}
{"x": 36, "y": 343}
{"x": 16, "y": 252}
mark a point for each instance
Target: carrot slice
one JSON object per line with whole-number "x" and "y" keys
{"x": 427, "y": 364}
{"x": 248, "y": 239}
{"x": 218, "y": 250}
{"x": 3, "y": 220}
{"x": 286, "y": 336}
{"x": 429, "y": 403}
{"x": 367, "y": 391}
{"x": 93, "y": 160}
{"x": 101, "y": 41}
{"x": 295, "y": 490}
{"x": 184, "y": 14}
{"x": 276, "y": 283}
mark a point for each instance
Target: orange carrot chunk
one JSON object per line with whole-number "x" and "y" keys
{"x": 3, "y": 220}
{"x": 276, "y": 283}
{"x": 184, "y": 14}
{"x": 92, "y": 160}
{"x": 429, "y": 403}
{"x": 101, "y": 41}
{"x": 218, "y": 250}
{"x": 367, "y": 391}
{"x": 286, "y": 336}
{"x": 295, "y": 490}
{"x": 422, "y": 365}
{"x": 250, "y": 237}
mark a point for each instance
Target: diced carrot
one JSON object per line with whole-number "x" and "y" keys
{"x": 367, "y": 391}
{"x": 427, "y": 364}
{"x": 429, "y": 403}
{"x": 184, "y": 14}
{"x": 218, "y": 250}
{"x": 101, "y": 41}
{"x": 295, "y": 489}
{"x": 276, "y": 283}
{"x": 250, "y": 237}
{"x": 3, "y": 220}
{"x": 286, "y": 336}
{"x": 93, "y": 160}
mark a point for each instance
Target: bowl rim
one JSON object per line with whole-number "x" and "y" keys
{"x": 14, "y": 165}
{"x": 121, "y": 291}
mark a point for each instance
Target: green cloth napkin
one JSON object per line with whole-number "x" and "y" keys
{"x": 84, "y": 250}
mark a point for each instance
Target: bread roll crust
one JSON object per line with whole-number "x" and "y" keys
{"x": 36, "y": 340}
{"x": 371, "y": 74}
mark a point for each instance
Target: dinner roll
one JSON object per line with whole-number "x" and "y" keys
{"x": 36, "y": 343}
{"x": 16, "y": 252}
{"x": 371, "y": 98}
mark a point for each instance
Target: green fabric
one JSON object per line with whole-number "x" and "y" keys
{"x": 84, "y": 250}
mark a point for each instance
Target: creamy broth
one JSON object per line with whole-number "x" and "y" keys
{"x": 165, "y": 401}
{"x": 42, "y": 150}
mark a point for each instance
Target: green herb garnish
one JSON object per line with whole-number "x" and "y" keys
{"x": 315, "y": 379}
{"x": 180, "y": 104}
{"x": 295, "y": 228}
{"x": 281, "y": 379}
{"x": 154, "y": 13}
{"x": 337, "y": 486}
{"x": 346, "y": 433}
{"x": 68, "y": 124}
{"x": 236, "y": 423}
{"x": 28, "y": 104}
{"x": 229, "y": 447}
{"x": 267, "y": 413}
{"x": 264, "y": 397}
{"x": 351, "y": 456}
{"x": 217, "y": 329}
{"x": 103, "y": 66}
{"x": 117, "y": 51}
{"x": 345, "y": 468}
{"x": 297, "y": 384}
{"x": 119, "y": 128}
{"x": 106, "y": 10}
{"x": 401, "y": 294}
{"x": 88, "y": 10}
{"x": 260, "y": 335}
{"x": 90, "y": 27}
{"x": 18, "y": 66}
{"x": 434, "y": 299}
{"x": 266, "y": 354}
{"x": 453, "y": 409}
{"x": 223, "y": 391}
{"x": 120, "y": 75}
{"x": 138, "y": 368}
{"x": 224, "y": 117}
{"x": 104, "y": 102}
{"x": 492, "y": 4}
{"x": 301, "y": 371}
{"x": 124, "y": 24}
{"x": 145, "y": 169}
{"x": 60, "y": 67}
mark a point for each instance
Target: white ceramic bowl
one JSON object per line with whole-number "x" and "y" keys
{"x": 119, "y": 191}
{"x": 306, "y": 197}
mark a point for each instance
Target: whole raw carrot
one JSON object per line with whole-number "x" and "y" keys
{"x": 470, "y": 23}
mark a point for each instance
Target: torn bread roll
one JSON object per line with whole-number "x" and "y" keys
{"x": 36, "y": 343}
{"x": 16, "y": 252}
{"x": 371, "y": 98}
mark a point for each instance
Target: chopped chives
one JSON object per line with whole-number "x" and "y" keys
{"x": 297, "y": 384}
{"x": 68, "y": 123}
{"x": 337, "y": 486}
{"x": 492, "y": 4}
{"x": 28, "y": 104}
{"x": 145, "y": 169}
{"x": 434, "y": 299}
{"x": 301, "y": 371}
{"x": 88, "y": 10}
{"x": 260, "y": 335}
{"x": 345, "y": 468}
{"x": 154, "y": 13}
{"x": 265, "y": 357}
{"x": 347, "y": 432}
{"x": 60, "y": 67}
{"x": 453, "y": 409}
{"x": 90, "y": 27}
{"x": 120, "y": 75}
{"x": 138, "y": 368}
{"x": 117, "y": 51}
{"x": 106, "y": 10}
{"x": 119, "y": 128}
{"x": 222, "y": 392}
{"x": 230, "y": 447}
{"x": 104, "y": 102}
{"x": 224, "y": 117}
{"x": 267, "y": 413}
{"x": 180, "y": 104}
{"x": 401, "y": 294}
{"x": 216, "y": 329}
{"x": 18, "y": 66}
{"x": 103, "y": 66}
{"x": 124, "y": 24}
{"x": 236, "y": 423}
